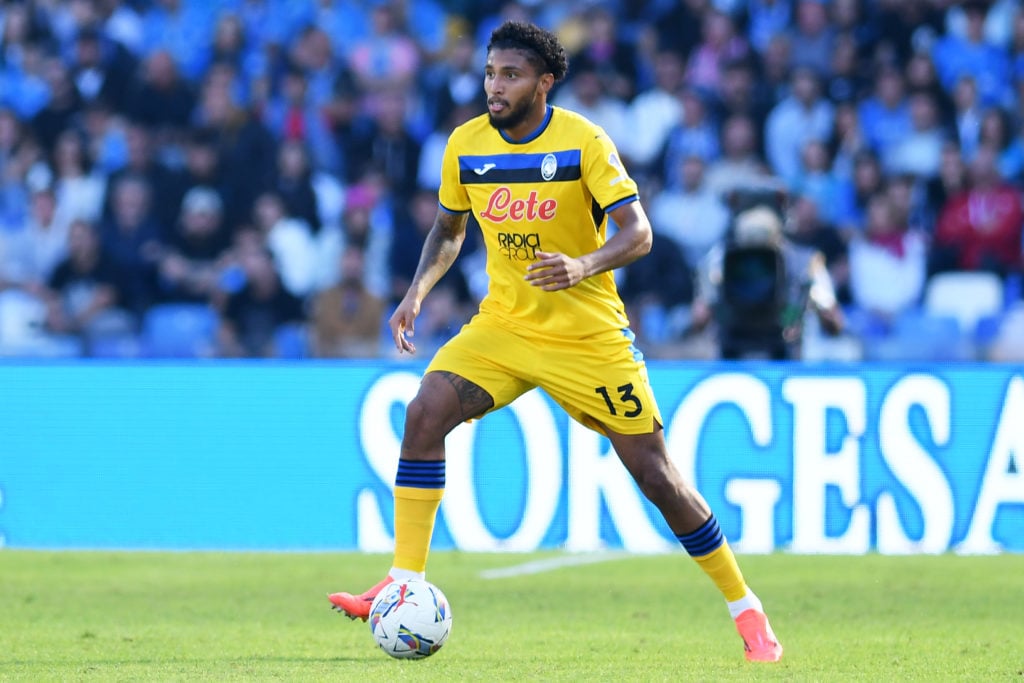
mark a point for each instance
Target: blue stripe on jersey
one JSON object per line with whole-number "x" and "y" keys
{"x": 483, "y": 164}
{"x": 622, "y": 202}
{"x": 536, "y": 131}
{"x": 453, "y": 211}
{"x": 524, "y": 169}
{"x": 420, "y": 474}
{"x": 521, "y": 176}
{"x": 705, "y": 540}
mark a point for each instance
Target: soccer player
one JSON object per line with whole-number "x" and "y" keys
{"x": 542, "y": 182}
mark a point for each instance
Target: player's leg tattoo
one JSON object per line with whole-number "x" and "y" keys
{"x": 473, "y": 400}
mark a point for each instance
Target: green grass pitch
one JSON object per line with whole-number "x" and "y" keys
{"x": 98, "y": 616}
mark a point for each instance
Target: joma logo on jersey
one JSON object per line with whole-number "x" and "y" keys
{"x": 502, "y": 207}
{"x": 518, "y": 246}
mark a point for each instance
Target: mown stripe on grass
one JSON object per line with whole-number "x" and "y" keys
{"x": 551, "y": 564}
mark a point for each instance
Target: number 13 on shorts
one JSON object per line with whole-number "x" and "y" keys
{"x": 626, "y": 397}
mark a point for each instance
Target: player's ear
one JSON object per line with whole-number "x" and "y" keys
{"x": 546, "y": 82}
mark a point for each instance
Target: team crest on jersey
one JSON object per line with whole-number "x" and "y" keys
{"x": 548, "y": 167}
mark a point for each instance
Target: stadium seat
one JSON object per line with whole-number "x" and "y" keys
{"x": 44, "y": 347}
{"x": 179, "y": 331}
{"x": 844, "y": 348}
{"x": 115, "y": 347}
{"x": 918, "y": 335}
{"x": 864, "y": 324}
{"x": 819, "y": 346}
{"x": 23, "y": 330}
{"x": 22, "y": 318}
{"x": 967, "y": 296}
{"x": 1008, "y": 345}
{"x": 987, "y": 329}
{"x": 290, "y": 341}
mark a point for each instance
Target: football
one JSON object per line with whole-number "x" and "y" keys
{"x": 410, "y": 619}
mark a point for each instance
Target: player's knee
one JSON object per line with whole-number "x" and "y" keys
{"x": 424, "y": 421}
{"x": 418, "y": 415}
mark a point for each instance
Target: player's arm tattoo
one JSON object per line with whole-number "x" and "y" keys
{"x": 451, "y": 226}
{"x": 473, "y": 400}
{"x": 441, "y": 246}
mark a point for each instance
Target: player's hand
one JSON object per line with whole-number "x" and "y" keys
{"x": 403, "y": 325}
{"x": 552, "y": 272}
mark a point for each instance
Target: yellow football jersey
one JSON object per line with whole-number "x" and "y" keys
{"x": 548, "y": 192}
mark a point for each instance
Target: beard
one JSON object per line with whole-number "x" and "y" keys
{"x": 512, "y": 117}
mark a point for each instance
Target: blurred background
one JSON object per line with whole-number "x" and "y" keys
{"x": 254, "y": 178}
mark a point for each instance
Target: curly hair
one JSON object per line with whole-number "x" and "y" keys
{"x": 540, "y": 46}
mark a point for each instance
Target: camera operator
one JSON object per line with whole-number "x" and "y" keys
{"x": 756, "y": 288}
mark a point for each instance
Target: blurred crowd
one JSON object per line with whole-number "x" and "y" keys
{"x": 254, "y": 178}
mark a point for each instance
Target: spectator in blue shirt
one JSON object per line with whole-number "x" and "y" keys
{"x": 816, "y": 181}
{"x": 803, "y": 115}
{"x": 268, "y": 22}
{"x": 183, "y": 29}
{"x": 131, "y": 238}
{"x": 695, "y": 135}
{"x": 812, "y": 36}
{"x": 23, "y": 85}
{"x": 919, "y": 153}
{"x": 885, "y": 115}
{"x": 967, "y": 112}
{"x": 765, "y": 20}
{"x": 347, "y": 22}
{"x": 971, "y": 55}
{"x": 291, "y": 115}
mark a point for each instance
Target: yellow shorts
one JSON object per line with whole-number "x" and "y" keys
{"x": 601, "y": 382}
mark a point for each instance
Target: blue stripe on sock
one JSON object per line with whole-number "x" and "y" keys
{"x": 431, "y": 465}
{"x": 420, "y": 474}
{"x": 705, "y": 540}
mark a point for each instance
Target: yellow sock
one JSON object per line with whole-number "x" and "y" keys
{"x": 721, "y": 566}
{"x": 709, "y": 549}
{"x": 415, "y": 511}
